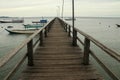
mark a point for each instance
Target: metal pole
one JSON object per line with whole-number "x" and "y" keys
{"x": 58, "y": 11}
{"x": 62, "y": 9}
{"x": 74, "y": 43}
{"x": 73, "y": 13}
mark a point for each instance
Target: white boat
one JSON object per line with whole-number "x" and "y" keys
{"x": 15, "y": 31}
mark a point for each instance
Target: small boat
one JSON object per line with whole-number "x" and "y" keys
{"x": 30, "y": 31}
{"x": 5, "y": 21}
{"x": 41, "y": 21}
{"x": 118, "y": 25}
{"x": 35, "y": 21}
{"x": 12, "y": 21}
{"x": 10, "y": 27}
{"x": 17, "y": 21}
{"x": 70, "y": 19}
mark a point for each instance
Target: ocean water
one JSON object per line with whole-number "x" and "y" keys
{"x": 105, "y": 31}
{"x": 102, "y": 29}
{"x": 11, "y": 41}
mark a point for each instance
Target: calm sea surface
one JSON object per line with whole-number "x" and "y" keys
{"x": 105, "y": 31}
{"x": 102, "y": 29}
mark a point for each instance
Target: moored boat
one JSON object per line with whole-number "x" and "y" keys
{"x": 10, "y": 27}
{"x": 15, "y": 31}
{"x": 29, "y": 29}
{"x": 35, "y": 21}
{"x": 12, "y": 21}
{"x": 70, "y": 19}
{"x": 41, "y": 21}
{"x": 118, "y": 25}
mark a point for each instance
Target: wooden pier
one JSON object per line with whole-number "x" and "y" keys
{"x": 57, "y": 56}
{"x": 57, "y": 59}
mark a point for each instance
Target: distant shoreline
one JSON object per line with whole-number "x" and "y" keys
{"x": 64, "y": 17}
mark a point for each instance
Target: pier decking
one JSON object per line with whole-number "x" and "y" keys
{"x": 57, "y": 59}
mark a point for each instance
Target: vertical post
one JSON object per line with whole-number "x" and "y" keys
{"x": 86, "y": 51}
{"x": 41, "y": 38}
{"x": 63, "y": 25}
{"x": 48, "y": 28}
{"x": 66, "y": 27}
{"x": 62, "y": 9}
{"x": 30, "y": 53}
{"x": 75, "y": 38}
{"x": 45, "y": 32}
{"x": 74, "y": 32}
{"x": 69, "y": 30}
{"x": 58, "y": 11}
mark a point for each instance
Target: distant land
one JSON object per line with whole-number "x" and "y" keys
{"x": 59, "y": 16}
{"x": 4, "y": 17}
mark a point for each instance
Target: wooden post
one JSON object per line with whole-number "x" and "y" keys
{"x": 48, "y": 28}
{"x": 74, "y": 37}
{"x": 69, "y": 30}
{"x": 41, "y": 38}
{"x": 66, "y": 27}
{"x": 86, "y": 51}
{"x": 30, "y": 53}
{"x": 45, "y": 32}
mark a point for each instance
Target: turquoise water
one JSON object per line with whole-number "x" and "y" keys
{"x": 102, "y": 29}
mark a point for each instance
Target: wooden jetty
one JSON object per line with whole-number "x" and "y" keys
{"x": 57, "y": 56}
{"x": 57, "y": 59}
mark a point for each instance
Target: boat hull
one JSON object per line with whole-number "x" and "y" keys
{"x": 13, "y": 21}
{"x": 21, "y": 31}
{"x": 118, "y": 25}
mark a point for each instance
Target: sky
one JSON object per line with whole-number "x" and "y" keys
{"x": 38, "y": 8}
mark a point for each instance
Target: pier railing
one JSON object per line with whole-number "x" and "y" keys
{"x": 87, "y": 51}
{"x": 42, "y": 32}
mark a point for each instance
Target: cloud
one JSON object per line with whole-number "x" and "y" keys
{"x": 49, "y": 7}
{"x": 24, "y": 3}
{"x": 99, "y": 1}
{"x": 97, "y": 8}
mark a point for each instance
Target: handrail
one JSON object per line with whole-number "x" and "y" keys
{"x": 67, "y": 28}
{"x": 5, "y": 59}
{"x": 87, "y": 50}
{"x": 103, "y": 47}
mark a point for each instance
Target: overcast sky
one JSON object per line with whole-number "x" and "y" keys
{"x": 38, "y": 8}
